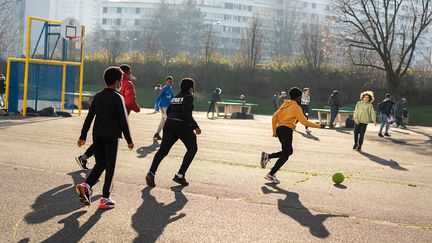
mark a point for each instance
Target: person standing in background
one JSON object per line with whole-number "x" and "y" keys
{"x": 305, "y": 100}
{"x": 164, "y": 101}
{"x": 335, "y": 105}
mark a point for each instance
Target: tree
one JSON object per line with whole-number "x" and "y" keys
{"x": 113, "y": 47}
{"x": 252, "y": 44}
{"x": 8, "y": 28}
{"x": 388, "y": 29}
{"x": 312, "y": 46}
{"x": 190, "y": 24}
{"x": 286, "y": 27}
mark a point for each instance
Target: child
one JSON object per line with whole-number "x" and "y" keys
{"x": 164, "y": 98}
{"x": 111, "y": 121}
{"x": 283, "y": 123}
{"x": 215, "y": 98}
{"x": 363, "y": 113}
{"x": 305, "y": 100}
{"x": 179, "y": 125}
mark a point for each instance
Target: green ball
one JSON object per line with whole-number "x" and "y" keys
{"x": 338, "y": 178}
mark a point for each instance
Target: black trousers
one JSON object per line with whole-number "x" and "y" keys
{"x": 106, "y": 154}
{"x": 305, "y": 109}
{"x": 285, "y": 135}
{"x": 359, "y": 129}
{"x": 174, "y": 130}
{"x": 212, "y": 107}
{"x": 90, "y": 151}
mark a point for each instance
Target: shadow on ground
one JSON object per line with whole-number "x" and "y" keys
{"x": 309, "y": 136}
{"x": 152, "y": 216}
{"x": 292, "y": 207}
{"x": 146, "y": 150}
{"x": 390, "y": 163}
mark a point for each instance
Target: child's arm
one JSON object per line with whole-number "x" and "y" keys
{"x": 355, "y": 116}
{"x": 130, "y": 97}
{"x": 124, "y": 125}
{"x": 187, "y": 111}
{"x": 302, "y": 119}
{"x": 373, "y": 114}
{"x": 87, "y": 122}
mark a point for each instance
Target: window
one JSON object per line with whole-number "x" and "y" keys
{"x": 119, "y": 10}
{"x": 313, "y": 5}
{"x": 137, "y": 22}
{"x": 229, "y": 6}
{"x": 305, "y": 4}
{"x": 104, "y": 21}
{"x": 105, "y": 10}
{"x": 137, "y": 10}
{"x": 118, "y": 21}
{"x": 250, "y": 8}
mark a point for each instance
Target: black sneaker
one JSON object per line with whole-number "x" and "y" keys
{"x": 157, "y": 136}
{"x": 358, "y": 148}
{"x": 387, "y": 135}
{"x": 355, "y": 146}
{"x": 81, "y": 162}
{"x": 150, "y": 179}
{"x": 380, "y": 135}
{"x": 182, "y": 181}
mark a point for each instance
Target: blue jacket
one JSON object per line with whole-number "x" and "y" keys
{"x": 165, "y": 96}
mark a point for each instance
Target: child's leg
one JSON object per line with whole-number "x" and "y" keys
{"x": 168, "y": 140}
{"x": 89, "y": 152}
{"x": 99, "y": 167}
{"x": 163, "y": 119}
{"x": 189, "y": 140}
{"x": 285, "y": 137}
{"x": 356, "y": 133}
{"x": 362, "y": 131}
{"x": 111, "y": 145}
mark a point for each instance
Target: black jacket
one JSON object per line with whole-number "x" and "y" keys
{"x": 386, "y": 106}
{"x": 2, "y": 86}
{"x": 334, "y": 102}
{"x": 181, "y": 108}
{"x": 111, "y": 118}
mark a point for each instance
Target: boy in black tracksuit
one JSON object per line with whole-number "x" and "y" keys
{"x": 179, "y": 125}
{"x": 111, "y": 121}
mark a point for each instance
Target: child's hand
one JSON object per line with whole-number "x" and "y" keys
{"x": 81, "y": 142}
{"x": 131, "y": 146}
{"x": 275, "y": 135}
{"x": 322, "y": 125}
{"x": 198, "y": 130}
{"x": 356, "y": 122}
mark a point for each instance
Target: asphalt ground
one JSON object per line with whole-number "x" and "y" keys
{"x": 387, "y": 196}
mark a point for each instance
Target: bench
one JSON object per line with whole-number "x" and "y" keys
{"x": 342, "y": 115}
{"x": 231, "y": 106}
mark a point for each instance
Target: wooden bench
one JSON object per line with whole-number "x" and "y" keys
{"x": 231, "y": 106}
{"x": 342, "y": 115}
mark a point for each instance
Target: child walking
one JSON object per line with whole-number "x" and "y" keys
{"x": 363, "y": 114}
{"x": 111, "y": 121}
{"x": 283, "y": 124}
{"x": 179, "y": 125}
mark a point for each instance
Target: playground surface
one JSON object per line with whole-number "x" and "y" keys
{"x": 386, "y": 197}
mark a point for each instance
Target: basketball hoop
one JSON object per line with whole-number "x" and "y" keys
{"x": 70, "y": 29}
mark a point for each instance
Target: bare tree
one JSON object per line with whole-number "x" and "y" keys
{"x": 286, "y": 21}
{"x": 8, "y": 28}
{"x": 252, "y": 44}
{"x": 113, "y": 48}
{"x": 388, "y": 29}
{"x": 312, "y": 46}
{"x": 150, "y": 45}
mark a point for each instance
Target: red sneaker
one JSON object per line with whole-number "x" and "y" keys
{"x": 84, "y": 193}
{"x": 106, "y": 203}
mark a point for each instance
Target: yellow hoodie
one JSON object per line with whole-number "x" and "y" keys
{"x": 288, "y": 114}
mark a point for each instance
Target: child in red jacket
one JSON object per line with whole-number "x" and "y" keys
{"x": 127, "y": 89}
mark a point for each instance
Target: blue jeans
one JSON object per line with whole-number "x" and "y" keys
{"x": 384, "y": 122}
{"x": 334, "y": 113}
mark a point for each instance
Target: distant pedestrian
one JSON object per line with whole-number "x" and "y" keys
{"x": 215, "y": 98}
{"x": 275, "y": 101}
{"x": 363, "y": 114}
{"x": 283, "y": 124}
{"x": 305, "y": 100}
{"x": 242, "y": 98}
{"x": 158, "y": 89}
{"x": 385, "y": 109}
{"x": 179, "y": 125}
{"x": 400, "y": 111}
{"x": 283, "y": 96}
{"x": 2, "y": 90}
{"x": 335, "y": 105}
{"x": 164, "y": 97}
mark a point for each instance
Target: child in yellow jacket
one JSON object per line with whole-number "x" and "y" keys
{"x": 283, "y": 123}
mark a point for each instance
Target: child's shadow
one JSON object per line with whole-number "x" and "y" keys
{"x": 146, "y": 150}
{"x": 292, "y": 207}
{"x": 152, "y": 216}
{"x": 57, "y": 201}
{"x": 71, "y": 231}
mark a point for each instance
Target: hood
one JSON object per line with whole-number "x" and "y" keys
{"x": 126, "y": 77}
{"x": 288, "y": 103}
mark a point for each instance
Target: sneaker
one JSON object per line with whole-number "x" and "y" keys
{"x": 358, "y": 148}
{"x": 150, "y": 179}
{"x": 264, "y": 159}
{"x": 182, "y": 181}
{"x": 379, "y": 134}
{"x": 387, "y": 135}
{"x": 272, "y": 178}
{"x": 308, "y": 130}
{"x": 81, "y": 162}
{"x": 157, "y": 136}
{"x": 84, "y": 193}
{"x": 106, "y": 203}
{"x": 355, "y": 146}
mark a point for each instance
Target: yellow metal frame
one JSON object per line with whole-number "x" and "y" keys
{"x": 27, "y": 60}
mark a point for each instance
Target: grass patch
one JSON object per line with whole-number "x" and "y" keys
{"x": 418, "y": 115}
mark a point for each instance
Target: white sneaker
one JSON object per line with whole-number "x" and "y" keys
{"x": 272, "y": 178}
{"x": 308, "y": 130}
{"x": 264, "y": 159}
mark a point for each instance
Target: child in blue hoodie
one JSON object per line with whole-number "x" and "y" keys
{"x": 164, "y": 98}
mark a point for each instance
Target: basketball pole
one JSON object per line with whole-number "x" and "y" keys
{"x": 7, "y": 83}
{"x": 63, "y": 88}
{"x": 81, "y": 71}
{"x": 26, "y": 66}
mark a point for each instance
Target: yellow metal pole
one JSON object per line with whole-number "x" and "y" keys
{"x": 26, "y": 69}
{"x": 81, "y": 72}
{"x": 63, "y": 87}
{"x": 7, "y": 83}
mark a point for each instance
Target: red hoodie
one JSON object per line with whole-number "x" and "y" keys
{"x": 127, "y": 89}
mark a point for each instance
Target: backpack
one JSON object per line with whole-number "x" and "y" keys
{"x": 349, "y": 123}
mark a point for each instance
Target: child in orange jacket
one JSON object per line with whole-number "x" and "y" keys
{"x": 283, "y": 123}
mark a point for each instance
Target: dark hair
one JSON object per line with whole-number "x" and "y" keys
{"x": 295, "y": 93}
{"x": 169, "y": 78}
{"x": 125, "y": 68}
{"x": 112, "y": 74}
{"x": 387, "y": 95}
{"x": 186, "y": 84}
